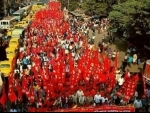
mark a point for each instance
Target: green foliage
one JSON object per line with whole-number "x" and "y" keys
{"x": 94, "y": 7}
{"x": 132, "y": 16}
{"x": 73, "y": 4}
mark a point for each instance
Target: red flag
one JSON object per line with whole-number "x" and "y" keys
{"x": 136, "y": 77}
{"x": 12, "y": 96}
{"x": 106, "y": 63}
{"x": 3, "y": 97}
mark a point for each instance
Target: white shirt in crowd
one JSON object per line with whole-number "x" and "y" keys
{"x": 18, "y": 62}
{"x": 63, "y": 46}
{"x": 80, "y": 43}
{"x": 137, "y": 103}
{"x": 29, "y": 66}
{"x": 21, "y": 70}
{"x": 15, "y": 71}
{"x": 134, "y": 57}
{"x": 66, "y": 51}
{"x": 79, "y": 93}
{"x": 93, "y": 37}
{"x": 104, "y": 99}
{"x": 70, "y": 47}
{"x": 21, "y": 49}
{"x": 121, "y": 81}
{"x": 67, "y": 46}
{"x": 126, "y": 57}
{"x": 97, "y": 98}
{"x": 114, "y": 54}
{"x": 81, "y": 99}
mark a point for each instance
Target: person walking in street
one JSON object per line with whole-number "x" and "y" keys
{"x": 130, "y": 60}
{"x": 135, "y": 58}
{"x": 137, "y": 104}
{"x": 97, "y": 99}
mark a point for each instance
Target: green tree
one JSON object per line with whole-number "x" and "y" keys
{"x": 94, "y": 7}
{"x": 132, "y": 17}
{"x": 102, "y": 7}
{"x": 73, "y": 4}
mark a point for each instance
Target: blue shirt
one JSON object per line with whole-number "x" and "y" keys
{"x": 130, "y": 59}
{"x": 25, "y": 61}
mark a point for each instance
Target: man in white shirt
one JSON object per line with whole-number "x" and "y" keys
{"x": 137, "y": 105}
{"x": 97, "y": 99}
{"x": 82, "y": 100}
{"x": 79, "y": 94}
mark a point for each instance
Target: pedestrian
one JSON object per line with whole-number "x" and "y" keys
{"x": 79, "y": 94}
{"x": 135, "y": 58}
{"x": 97, "y": 99}
{"x": 130, "y": 60}
{"x": 137, "y": 104}
{"x": 103, "y": 38}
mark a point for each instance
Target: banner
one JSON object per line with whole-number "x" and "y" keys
{"x": 100, "y": 109}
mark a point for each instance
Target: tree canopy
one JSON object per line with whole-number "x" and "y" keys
{"x": 73, "y": 4}
{"x": 132, "y": 17}
{"x": 93, "y": 7}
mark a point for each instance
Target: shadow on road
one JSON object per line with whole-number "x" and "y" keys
{"x": 120, "y": 45}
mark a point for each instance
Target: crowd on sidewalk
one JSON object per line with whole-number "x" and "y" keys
{"x": 58, "y": 68}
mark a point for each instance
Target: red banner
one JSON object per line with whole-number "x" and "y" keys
{"x": 100, "y": 109}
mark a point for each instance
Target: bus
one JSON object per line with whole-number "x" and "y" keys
{"x": 7, "y": 22}
{"x": 19, "y": 14}
{"x": 27, "y": 9}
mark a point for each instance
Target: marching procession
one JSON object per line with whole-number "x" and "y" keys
{"x": 58, "y": 68}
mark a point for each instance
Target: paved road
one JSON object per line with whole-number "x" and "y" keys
{"x": 117, "y": 45}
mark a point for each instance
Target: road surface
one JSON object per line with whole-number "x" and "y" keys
{"x": 117, "y": 45}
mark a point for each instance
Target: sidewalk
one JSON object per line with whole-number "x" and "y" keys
{"x": 117, "y": 45}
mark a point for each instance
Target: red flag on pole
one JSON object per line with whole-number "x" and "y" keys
{"x": 3, "y": 97}
{"x": 12, "y": 96}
